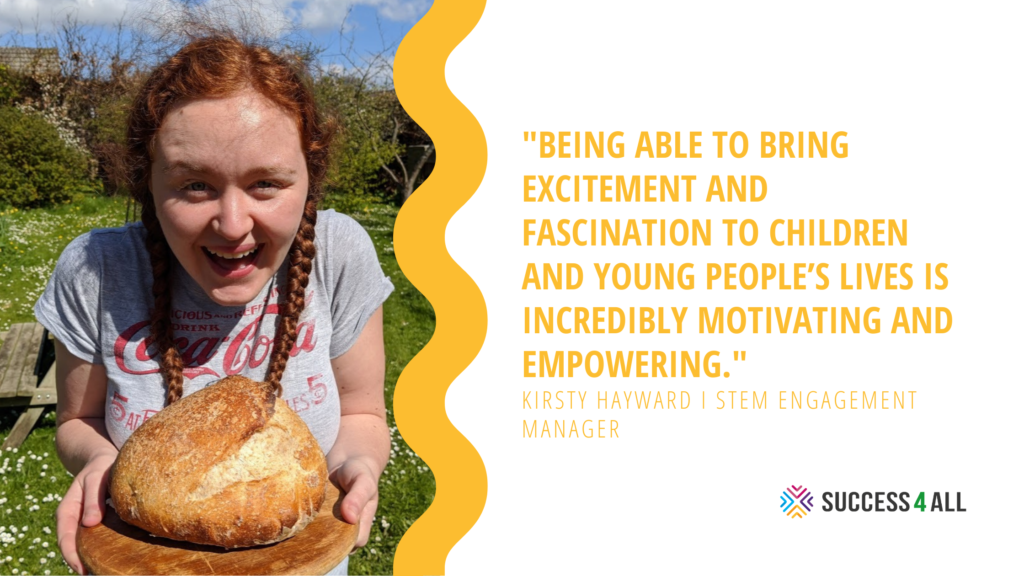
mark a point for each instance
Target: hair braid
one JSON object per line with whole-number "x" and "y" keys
{"x": 162, "y": 262}
{"x": 293, "y": 298}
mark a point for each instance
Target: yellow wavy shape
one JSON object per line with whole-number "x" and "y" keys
{"x": 458, "y": 305}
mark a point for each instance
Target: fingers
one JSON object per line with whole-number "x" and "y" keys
{"x": 69, "y": 513}
{"x": 83, "y": 505}
{"x": 358, "y": 486}
{"x": 359, "y": 502}
{"x": 366, "y": 522}
{"x": 95, "y": 497}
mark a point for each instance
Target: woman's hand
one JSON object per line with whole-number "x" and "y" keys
{"x": 83, "y": 447}
{"x": 83, "y": 505}
{"x": 358, "y": 485}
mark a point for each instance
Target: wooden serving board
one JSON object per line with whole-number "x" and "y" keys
{"x": 116, "y": 547}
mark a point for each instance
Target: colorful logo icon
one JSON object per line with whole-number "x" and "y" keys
{"x": 797, "y": 501}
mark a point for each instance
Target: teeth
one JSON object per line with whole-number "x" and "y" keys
{"x": 230, "y": 256}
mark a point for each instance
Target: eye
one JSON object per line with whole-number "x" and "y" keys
{"x": 195, "y": 190}
{"x": 266, "y": 188}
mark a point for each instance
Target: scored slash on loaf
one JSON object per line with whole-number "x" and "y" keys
{"x": 230, "y": 465}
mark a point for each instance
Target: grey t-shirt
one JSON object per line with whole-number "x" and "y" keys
{"x": 98, "y": 300}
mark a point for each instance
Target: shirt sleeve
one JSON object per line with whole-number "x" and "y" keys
{"x": 69, "y": 305}
{"x": 359, "y": 284}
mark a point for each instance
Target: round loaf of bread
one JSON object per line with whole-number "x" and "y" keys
{"x": 230, "y": 465}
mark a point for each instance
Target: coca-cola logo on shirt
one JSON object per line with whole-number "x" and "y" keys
{"x": 135, "y": 348}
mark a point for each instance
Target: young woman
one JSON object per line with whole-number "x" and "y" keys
{"x": 231, "y": 271}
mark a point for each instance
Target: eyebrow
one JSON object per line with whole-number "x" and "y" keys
{"x": 188, "y": 166}
{"x": 182, "y": 166}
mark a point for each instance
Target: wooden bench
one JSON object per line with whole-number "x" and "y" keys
{"x": 28, "y": 377}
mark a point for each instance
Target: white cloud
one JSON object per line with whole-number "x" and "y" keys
{"x": 329, "y": 14}
{"x": 26, "y": 14}
{"x": 278, "y": 15}
{"x": 259, "y": 18}
{"x": 401, "y": 10}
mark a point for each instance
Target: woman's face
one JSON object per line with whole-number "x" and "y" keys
{"x": 229, "y": 181}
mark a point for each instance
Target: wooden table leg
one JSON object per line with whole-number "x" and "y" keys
{"x": 23, "y": 426}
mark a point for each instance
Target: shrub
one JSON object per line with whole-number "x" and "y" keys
{"x": 105, "y": 134}
{"x": 362, "y": 145}
{"x": 10, "y": 86}
{"x": 36, "y": 167}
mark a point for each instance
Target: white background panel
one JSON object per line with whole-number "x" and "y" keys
{"x": 929, "y": 95}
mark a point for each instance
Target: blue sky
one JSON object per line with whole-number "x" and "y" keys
{"x": 371, "y": 25}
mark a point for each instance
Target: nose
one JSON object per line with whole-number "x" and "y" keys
{"x": 233, "y": 220}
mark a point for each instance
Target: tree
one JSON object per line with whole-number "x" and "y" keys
{"x": 375, "y": 118}
{"x": 412, "y": 169}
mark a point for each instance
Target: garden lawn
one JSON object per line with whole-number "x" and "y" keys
{"x": 32, "y": 480}
{"x": 31, "y": 241}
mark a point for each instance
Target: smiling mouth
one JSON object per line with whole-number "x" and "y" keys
{"x": 228, "y": 262}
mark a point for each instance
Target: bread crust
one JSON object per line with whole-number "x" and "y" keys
{"x": 230, "y": 465}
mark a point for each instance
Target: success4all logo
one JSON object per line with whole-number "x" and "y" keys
{"x": 889, "y": 502}
{"x": 797, "y": 501}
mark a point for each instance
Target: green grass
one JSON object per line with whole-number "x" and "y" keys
{"x": 31, "y": 241}
{"x": 32, "y": 482}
